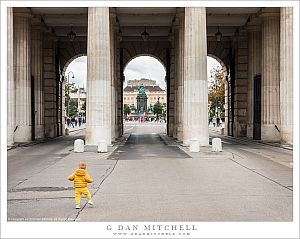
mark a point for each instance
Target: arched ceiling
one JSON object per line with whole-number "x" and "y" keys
{"x": 132, "y": 21}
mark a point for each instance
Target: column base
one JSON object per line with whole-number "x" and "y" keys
{"x": 175, "y": 132}
{"x": 195, "y": 133}
{"x": 286, "y": 133}
{"x": 94, "y": 134}
{"x": 10, "y": 136}
{"x": 179, "y": 132}
{"x": 269, "y": 133}
{"x": 23, "y": 134}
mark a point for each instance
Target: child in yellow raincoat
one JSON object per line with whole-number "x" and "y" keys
{"x": 81, "y": 178}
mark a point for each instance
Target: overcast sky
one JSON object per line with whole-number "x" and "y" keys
{"x": 140, "y": 67}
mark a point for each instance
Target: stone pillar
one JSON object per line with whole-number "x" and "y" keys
{"x": 11, "y": 94}
{"x": 254, "y": 69}
{"x": 180, "y": 74}
{"x": 37, "y": 72}
{"x": 176, "y": 50}
{"x": 112, "y": 15}
{"x": 270, "y": 75}
{"x": 22, "y": 74}
{"x": 98, "y": 125}
{"x": 286, "y": 74}
{"x": 195, "y": 117}
{"x": 119, "y": 87}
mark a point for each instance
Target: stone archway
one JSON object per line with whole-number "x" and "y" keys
{"x": 162, "y": 51}
{"x": 149, "y": 71}
{"x": 64, "y": 81}
{"x": 227, "y": 82}
{"x": 154, "y": 49}
{"x": 67, "y": 63}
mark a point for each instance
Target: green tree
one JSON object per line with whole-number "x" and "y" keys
{"x": 132, "y": 108}
{"x": 73, "y": 107}
{"x": 216, "y": 96}
{"x": 164, "y": 110}
{"x": 126, "y": 110}
{"x": 70, "y": 88}
{"x": 157, "y": 108}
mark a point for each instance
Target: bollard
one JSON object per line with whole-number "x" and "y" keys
{"x": 78, "y": 146}
{"x": 194, "y": 145}
{"x": 216, "y": 145}
{"x": 102, "y": 146}
{"x": 67, "y": 131}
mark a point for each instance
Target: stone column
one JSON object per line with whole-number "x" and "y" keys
{"x": 270, "y": 75}
{"x": 119, "y": 87}
{"x": 37, "y": 72}
{"x": 22, "y": 74}
{"x": 254, "y": 68}
{"x": 98, "y": 125}
{"x": 286, "y": 74}
{"x": 195, "y": 117}
{"x": 112, "y": 15}
{"x": 11, "y": 94}
{"x": 180, "y": 74}
{"x": 176, "y": 50}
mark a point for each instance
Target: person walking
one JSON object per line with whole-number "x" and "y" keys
{"x": 81, "y": 178}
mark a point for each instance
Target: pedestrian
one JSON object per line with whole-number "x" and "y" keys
{"x": 79, "y": 121}
{"x": 76, "y": 121}
{"x": 81, "y": 178}
{"x": 73, "y": 121}
{"x": 214, "y": 121}
{"x": 218, "y": 122}
{"x": 68, "y": 122}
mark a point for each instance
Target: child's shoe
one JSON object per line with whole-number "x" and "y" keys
{"x": 77, "y": 207}
{"x": 90, "y": 202}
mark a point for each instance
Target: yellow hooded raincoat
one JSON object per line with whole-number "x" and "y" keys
{"x": 81, "y": 178}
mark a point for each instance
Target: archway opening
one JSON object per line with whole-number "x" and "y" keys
{"x": 145, "y": 96}
{"x": 217, "y": 91}
{"x": 74, "y": 92}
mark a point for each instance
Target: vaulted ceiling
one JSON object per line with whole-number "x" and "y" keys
{"x": 133, "y": 21}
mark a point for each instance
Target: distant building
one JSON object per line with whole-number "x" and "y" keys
{"x": 80, "y": 97}
{"x": 152, "y": 90}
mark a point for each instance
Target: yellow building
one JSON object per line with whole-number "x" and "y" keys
{"x": 152, "y": 90}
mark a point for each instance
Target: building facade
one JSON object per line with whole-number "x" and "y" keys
{"x": 153, "y": 91}
{"x": 253, "y": 44}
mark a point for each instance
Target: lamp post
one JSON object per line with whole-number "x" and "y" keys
{"x": 68, "y": 98}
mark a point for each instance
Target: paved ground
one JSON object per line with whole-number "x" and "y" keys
{"x": 152, "y": 178}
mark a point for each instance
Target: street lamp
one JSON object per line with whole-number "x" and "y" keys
{"x": 218, "y": 34}
{"x": 68, "y": 98}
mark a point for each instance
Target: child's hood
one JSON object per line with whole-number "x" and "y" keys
{"x": 80, "y": 172}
